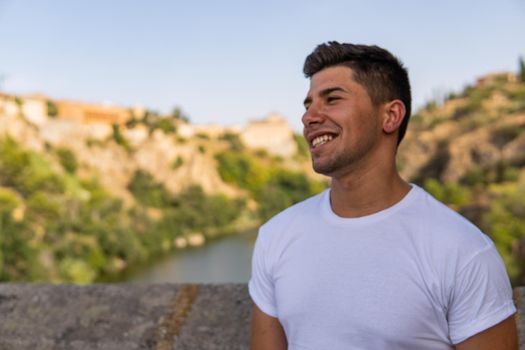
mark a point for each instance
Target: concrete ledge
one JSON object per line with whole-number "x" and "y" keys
{"x": 135, "y": 316}
{"x": 124, "y": 316}
{"x": 519, "y": 300}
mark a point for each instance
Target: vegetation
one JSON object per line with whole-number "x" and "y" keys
{"x": 178, "y": 114}
{"x": 68, "y": 160}
{"x": 119, "y": 138}
{"x": 272, "y": 185}
{"x": 234, "y": 141}
{"x": 177, "y": 163}
{"x": 152, "y": 120}
{"x": 521, "y": 70}
{"x": 303, "y": 151}
{"x": 52, "y": 109}
{"x": 57, "y": 228}
{"x": 147, "y": 191}
{"x": 490, "y": 192}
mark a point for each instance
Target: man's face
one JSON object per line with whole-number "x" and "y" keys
{"x": 341, "y": 124}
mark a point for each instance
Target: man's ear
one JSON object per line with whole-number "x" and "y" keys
{"x": 394, "y": 112}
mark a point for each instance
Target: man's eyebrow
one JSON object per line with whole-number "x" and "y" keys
{"x": 329, "y": 90}
{"x": 324, "y": 93}
{"x": 307, "y": 101}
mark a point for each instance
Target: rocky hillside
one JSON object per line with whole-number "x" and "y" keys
{"x": 176, "y": 153}
{"x": 479, "y": 132}
{"x": 82, "y": 199}
{"x": 469, "y": 151}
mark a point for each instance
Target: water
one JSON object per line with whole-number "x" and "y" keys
{"x": 223, "y": 260}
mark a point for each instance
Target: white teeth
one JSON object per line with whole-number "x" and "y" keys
{"x": 319, "y": 140}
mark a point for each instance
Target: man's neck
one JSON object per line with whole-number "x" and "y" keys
{"x": 356, "y": 195}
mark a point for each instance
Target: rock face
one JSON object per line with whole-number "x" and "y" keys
{"x": 123, "y": 316}
{"x": 481, "y": 129}
{"x": 176, "y": 159}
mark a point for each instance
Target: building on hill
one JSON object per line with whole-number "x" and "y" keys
{"x": 34, "y": 108}
{"x": 213, "y": 131}
{"x": 272, "y": 133}
{"x": 489, "y": 79}
{"x": 88, "y": 113}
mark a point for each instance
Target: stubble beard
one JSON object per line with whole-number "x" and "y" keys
{"x": 344, "y": 161}
{"x": 332, "y": 166}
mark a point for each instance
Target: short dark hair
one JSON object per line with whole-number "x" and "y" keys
{"x": 381, "y": 73}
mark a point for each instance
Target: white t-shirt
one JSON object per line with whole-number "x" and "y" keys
{"x": 414, "y": 276}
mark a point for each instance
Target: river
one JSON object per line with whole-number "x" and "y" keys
{"x": 223, "y": 260}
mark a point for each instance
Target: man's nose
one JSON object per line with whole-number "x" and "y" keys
{"x": 312, "y": 115}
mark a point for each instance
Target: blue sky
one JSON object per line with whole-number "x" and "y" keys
{"x": 229, "y": 61}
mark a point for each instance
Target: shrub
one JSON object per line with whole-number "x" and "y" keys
{"x": 506, "y": 225}
{"x": 166, "y": 125}
{"x": 68, "y": 160}
{"x": 506, "y": 134}
{"x": 521, "y": 70}
{"x": 178, "y": 114}
{"x": 234, "y": 141}
{"x": 147, "y": 191}
{"x": 52, "y": 109}
{"x": 241, "y": 169}
{"x": 450, "y": 193}
{"x": 303, "y": 150}
{"x": 177, "y": 163}
{"x": 119, "y": 138}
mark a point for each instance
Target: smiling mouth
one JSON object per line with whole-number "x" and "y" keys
{"x": 321, "y": 140}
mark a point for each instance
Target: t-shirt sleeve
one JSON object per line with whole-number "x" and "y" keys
{"x": 261, "y": 286}
{"x": 481, "y": 297}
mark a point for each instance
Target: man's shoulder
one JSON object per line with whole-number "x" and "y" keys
{"x": 446, "y": 225}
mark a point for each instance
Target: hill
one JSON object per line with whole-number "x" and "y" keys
{"x": 469, "y": 151}
{"x": 86, "y": 193}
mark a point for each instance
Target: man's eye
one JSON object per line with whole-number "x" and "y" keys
{"x": 332, "y": 99}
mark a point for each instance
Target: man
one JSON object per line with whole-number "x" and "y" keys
{"x": 373, "y": 262}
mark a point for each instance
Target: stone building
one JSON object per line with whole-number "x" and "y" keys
{"x": 88, "y": 113}
{"x": 272, "y": 134}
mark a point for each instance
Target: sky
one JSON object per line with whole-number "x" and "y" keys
{"x": 229, "y": 61}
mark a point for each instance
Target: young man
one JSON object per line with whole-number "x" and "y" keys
{"x": 373, "y": 262}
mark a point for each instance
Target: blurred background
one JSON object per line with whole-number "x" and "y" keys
{"x": 147, "y": 141}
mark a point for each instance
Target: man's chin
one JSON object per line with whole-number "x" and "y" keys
{"x": 323, "y": 169}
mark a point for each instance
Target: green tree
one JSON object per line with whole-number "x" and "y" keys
{"x": 302, "y": 146}
{"x": 241, "y": 169}
{"x": 450, "y": 193}
{"x": 283, "y": 189}
{"x": 119, "y": 138}
{"x": 521, "y": 71}
{"x": 52, "y": 109}
{"x": 234, "y": 141}
{"x": 147, "y": 191}
{"x": 505, "y": 222}
{"x": 16, "y": 253}
{"x": 68, "y": 160}
{"x": 178, "y": 114}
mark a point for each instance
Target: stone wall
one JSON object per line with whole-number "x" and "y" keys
{"x": 135, "y": 316}
{"x": 88, "y": 113}
{"x": 124, "y": 316}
